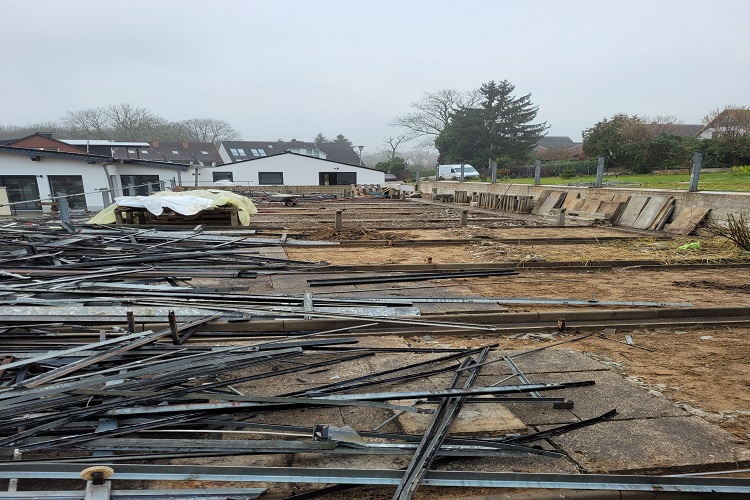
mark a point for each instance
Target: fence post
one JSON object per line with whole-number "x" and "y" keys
{"x": 493, "y": 167}
{"x": 462, "y": 172}
{"x": 537, "y": 172}
{"x": 599, "y": 172}
{"x": 696, "y": 172}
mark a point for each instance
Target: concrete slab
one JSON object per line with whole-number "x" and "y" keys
{"x": 475, "y": 420}
{"x": 611, "y": 391}
{"x": 658, "y": 445}
{"x": 555, "y": 361}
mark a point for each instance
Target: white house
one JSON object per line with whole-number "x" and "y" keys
{"x": 30, "y": 175}
{"x": 290, "y": 169}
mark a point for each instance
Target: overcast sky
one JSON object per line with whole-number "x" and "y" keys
{"x": 290, "y": 69}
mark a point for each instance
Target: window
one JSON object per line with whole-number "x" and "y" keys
{"x": 238, "y": 152}
{"x": 316, "y": 153}
{"x": 271, "y": 178}
{"x": 258, "y": 152}
{"x": 138, "y": 183}
{"x": 208, "y": 163}
{"x": 62, "y": 185}
{"x": 223, "y": 176}
{"x": 294, "y": 151}
{"x": 144, "y": 152}
{"x": 204, "y": 152}
{"x": 131, "y": 151}
{"x": 175, "y": 152}
{"x": 337, "y": 178}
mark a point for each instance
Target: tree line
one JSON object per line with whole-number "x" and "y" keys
{"x": 125, "y": 122}
{"x": 489, "y": 124}
{"x": 492, "y": 124}
{"x": 632, "y": 143}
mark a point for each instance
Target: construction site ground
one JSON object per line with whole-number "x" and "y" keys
{"x": 681, "y": 392}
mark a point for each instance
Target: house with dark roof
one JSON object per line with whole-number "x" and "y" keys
{"x": 33, "y": 174}
{"x": 42, "y": 141}
{"x": 233, "y": 151}
{"x": 558, "y": 148}
{"x": 340, "y": 151}
{"x": 676, "y": 129}
{"x": 290, "y": 169}
{"x": 730, "y": 122}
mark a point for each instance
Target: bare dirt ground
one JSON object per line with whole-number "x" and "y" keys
{"x": 704, "y": 370}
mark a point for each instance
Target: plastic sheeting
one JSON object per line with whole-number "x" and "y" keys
{"x": 184, "y": 202}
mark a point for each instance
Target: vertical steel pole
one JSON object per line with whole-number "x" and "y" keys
{"x": 696, "y": 172}
{"x": 462, "y": 172}
{"x": 493, "y": 167}
{"x": 599, "y": 172}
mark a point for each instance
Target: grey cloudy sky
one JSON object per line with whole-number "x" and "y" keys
{"x": 290, "y": 69}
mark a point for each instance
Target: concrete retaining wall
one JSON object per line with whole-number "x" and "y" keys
{"x": 721, "y": 203}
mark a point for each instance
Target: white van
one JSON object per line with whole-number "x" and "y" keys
{"x": 453, "y": 172}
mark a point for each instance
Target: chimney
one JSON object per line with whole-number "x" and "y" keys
{"x": 48, "y": 135}
{"x": 155, "y": 144}
{"x": 185, "y": 145}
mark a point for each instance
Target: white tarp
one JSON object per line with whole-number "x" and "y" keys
{"x": 184, "y": 205}
{"x": 184, "y": 202}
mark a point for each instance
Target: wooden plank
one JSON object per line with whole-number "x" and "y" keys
{"x": 611, "y": 208}
{"x": 651, "y": 211}
{"x": 688, "y": 220}
{"x": 663, "y": 215}
{"x": 632, "y": 210}
{"x": 554, "y": 200}
{"x": 542, "y": 197}
{"x": 591, "y": 205}
{"x": 570, "y": 200}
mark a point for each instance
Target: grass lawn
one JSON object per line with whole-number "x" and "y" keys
{"x": 714, "y": 181}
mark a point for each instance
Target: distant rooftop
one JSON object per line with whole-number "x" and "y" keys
{"x": 104, "y": 142}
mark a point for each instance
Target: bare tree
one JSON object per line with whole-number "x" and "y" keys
{"x": 662, "y": 124}
{"x": 391, "y": 145}
{"x": 91, "y": 123}
{"x": 434, "y": 111}
{"x": 208, "y": 130}
{"x": 729, "y": 122}
{"x": 133, "y": 123}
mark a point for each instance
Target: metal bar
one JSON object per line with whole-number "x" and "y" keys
{"x": 151, "y": 472}
{"x": 436, "y": 434}
{"x": 412, "y": 277}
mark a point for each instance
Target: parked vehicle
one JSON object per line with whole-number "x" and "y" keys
{"x": 453, "y": 172}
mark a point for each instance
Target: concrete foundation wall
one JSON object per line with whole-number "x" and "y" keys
{"x": 720, "y": 203}
{"x": 343, "y": 191}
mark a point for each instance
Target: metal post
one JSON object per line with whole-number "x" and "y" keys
{"x": 105, "y": 198}
{"x": 537, "y": 172}
{"x": 179, "y": 178}
{"x": 561, "y": 217}
{"x": 462, "y": 172}
{"x": 437, "y": 171}
{"x": 172, "y": 184}
{"x": 696, "y": 172}
{"x": 338, "y": 225}
{"x": 131, "y": 190}
{"x": 493, "y": 167}
{"x": 162, "y": 185}
{"x": 599, "y": 172}
{"x": 464, "y": 217}
{"x": 149, "y": 188}
{"x": 64, "y": 209}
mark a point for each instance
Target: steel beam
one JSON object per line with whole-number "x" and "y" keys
{"x": 51, "y": 470}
